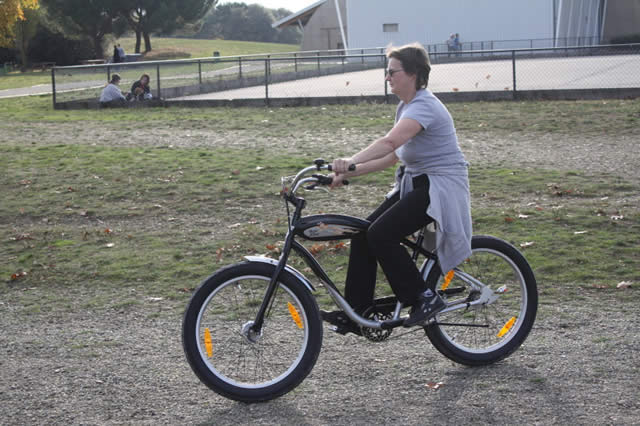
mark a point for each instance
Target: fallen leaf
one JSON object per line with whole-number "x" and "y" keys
{"x": 506, "y": 88}
{"x": 455, "y": 89}
{"x": 527, "y": 244}
{"x": 108, "y": 231}
{"x": 508, "y": 219}
{"x": 488, "y": 76}
{"x": 110, "y": 245}
{"x": 235, "y": 225}
{"x": 434, "y": 386}
{"x": 624, "y": 284}
{"x": 18, "y": 275}
{"x": 271, "y": 246}
{"x": 617, "y": 217}
{"x": 25, "y": 182}
{"x": 477, "y": 84}
{"x": 347, "y": 83}
{"x": 580, "y": 232}
{"x": 259, "y": 168}
{"x": 316, "y": 248}
{"x": 155, "y": 299}
{"x": 21, "y": 237}
{"x": 219, "y": 253}
{"x": 523, "y": 216}
{"x": 235, "y": 172}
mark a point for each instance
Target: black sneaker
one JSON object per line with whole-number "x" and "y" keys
{"x": 429, "y": 303}
{"x": 341, "y": 322}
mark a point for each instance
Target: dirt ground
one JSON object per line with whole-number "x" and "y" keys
{"x": 580, "y": 365}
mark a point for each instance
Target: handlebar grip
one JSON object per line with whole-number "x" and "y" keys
{"x": 344, "y": 182}
{"x": 351, "y": 168}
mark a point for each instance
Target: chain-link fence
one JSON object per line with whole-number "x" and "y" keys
{"x": 356, "y": 74}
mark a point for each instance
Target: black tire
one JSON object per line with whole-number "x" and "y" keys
{"x": 521, "y": 298}
{"x": 226, "y": 302}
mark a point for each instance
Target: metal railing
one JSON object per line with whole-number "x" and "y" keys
{"x": 531, "y": 43}
{"x": 361, "y": 75}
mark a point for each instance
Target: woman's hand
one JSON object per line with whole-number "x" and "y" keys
{"x": 337, "y": 180}
{"x": 341, "y": 165}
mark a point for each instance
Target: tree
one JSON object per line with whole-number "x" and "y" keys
{"x": 160, "y": 16}
{"x": 88, "y": 18}
{"x": 239, "y": 21}
{"x": 11, "y": 12}
{"x": 25, "y": 30}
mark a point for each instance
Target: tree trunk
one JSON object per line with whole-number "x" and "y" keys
{"x": 97, "y": 46}
{"x": 22, "y": 44}
{"x": 138, "y": 39}
{"x": 147, "y": 41}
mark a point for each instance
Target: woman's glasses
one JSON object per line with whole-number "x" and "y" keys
{"x": 390, "y": 72}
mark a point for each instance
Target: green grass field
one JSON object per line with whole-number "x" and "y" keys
{"x": 121, "y": 218}
{"x": 199, "y": 48}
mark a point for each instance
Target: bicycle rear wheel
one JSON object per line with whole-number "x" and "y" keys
{"x": 228, "y": 356}
{"x": 484, "y": 334}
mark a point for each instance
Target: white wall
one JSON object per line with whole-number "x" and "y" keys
{"x": 432, "y": 21}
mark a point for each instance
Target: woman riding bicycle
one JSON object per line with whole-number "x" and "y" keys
{"x": 431, "y": 186}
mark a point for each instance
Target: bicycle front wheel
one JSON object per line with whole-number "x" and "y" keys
{"x": 232, "y": 359}
{"x": 486, "y": 333}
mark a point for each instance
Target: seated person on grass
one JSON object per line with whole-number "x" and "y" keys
{"x": 111, "y": 94}
{"x": 140, "y": 90}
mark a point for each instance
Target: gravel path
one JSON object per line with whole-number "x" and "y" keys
{"x": 580, "y": 365}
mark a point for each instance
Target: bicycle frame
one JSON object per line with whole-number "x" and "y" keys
{"x": 295, "y": 220}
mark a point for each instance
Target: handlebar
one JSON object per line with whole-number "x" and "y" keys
{"x": 316, "y": 179}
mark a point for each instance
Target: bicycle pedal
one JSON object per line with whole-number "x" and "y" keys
{"x": 339, "y": 330}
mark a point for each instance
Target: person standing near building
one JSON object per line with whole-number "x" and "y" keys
{"x": 116, "y": 54}
{"x": 457, "y": 46}
{"x": 121, "y": 54}
{"x": 450, "y": 44}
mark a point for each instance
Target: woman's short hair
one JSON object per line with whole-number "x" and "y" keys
{"x": 114, "y": 78}
{"x": 414, "y": 59}
{"x": 145, "y": 75}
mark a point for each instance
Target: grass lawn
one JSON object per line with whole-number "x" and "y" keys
{"x": 132, "y": 220}
{"x": 17, "y": 79}
{"x": 199, "y": 48}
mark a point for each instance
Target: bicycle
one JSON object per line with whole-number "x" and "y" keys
{"x": 252, "y": 331}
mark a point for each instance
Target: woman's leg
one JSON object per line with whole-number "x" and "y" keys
{"x": 361, "y": 274}
{"x": 387, "y": 231}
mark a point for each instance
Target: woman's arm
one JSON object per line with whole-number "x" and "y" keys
{"x": 404, "y": 130}
{"x": 364, "y": 168}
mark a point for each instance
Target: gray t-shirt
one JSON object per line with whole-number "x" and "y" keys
{"x": 434, "y": 151}
{"x": 437, "y": 144}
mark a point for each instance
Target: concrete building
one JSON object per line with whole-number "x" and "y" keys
{"x": 498, "y": 23}
{"x": 320, "y": 25}
{"x": 621, "y": 19}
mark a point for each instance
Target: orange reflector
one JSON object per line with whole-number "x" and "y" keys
{"x": 507, "y": 327}
{"x": 207, "y": 342}
{"x": 447, "y": 280}
{"x": 295, "y": 315}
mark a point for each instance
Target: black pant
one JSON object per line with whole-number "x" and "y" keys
{"x": 391, "y": 222}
